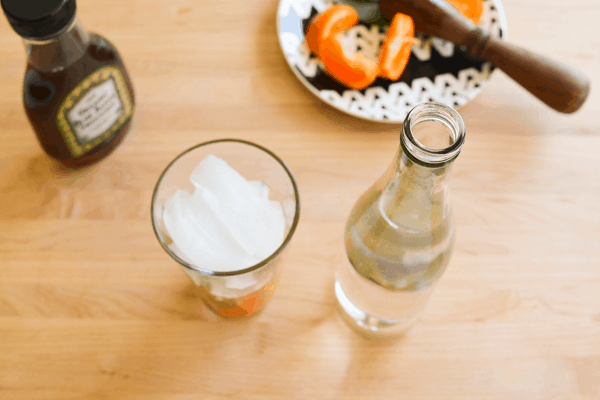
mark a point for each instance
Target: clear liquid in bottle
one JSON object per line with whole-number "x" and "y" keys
{"x": 400, "y": 234}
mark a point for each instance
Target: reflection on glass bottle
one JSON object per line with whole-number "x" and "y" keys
{"x": 400, "y": 234}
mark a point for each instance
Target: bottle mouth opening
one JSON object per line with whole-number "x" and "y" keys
{"x": 433, "y": 134}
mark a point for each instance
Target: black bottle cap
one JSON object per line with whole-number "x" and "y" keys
{"x": 38, "y": 18}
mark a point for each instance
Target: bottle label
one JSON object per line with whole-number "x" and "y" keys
{"x": 94, "y": 110}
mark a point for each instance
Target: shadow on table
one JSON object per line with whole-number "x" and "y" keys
{"x": 111, "y": 189}
{"x": 296, "y": 348}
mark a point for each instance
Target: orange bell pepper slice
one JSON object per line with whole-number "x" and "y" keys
{"x": 324, "y": 39}
{"x": 396, "y": 48}
{"x": 472, "y": 9}
{"x": 352, "y": 70}
{"x": 249, "y": 304}
{"x": 334, "y": 20}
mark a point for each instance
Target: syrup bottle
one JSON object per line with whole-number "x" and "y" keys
{"x": 76, "y": 92}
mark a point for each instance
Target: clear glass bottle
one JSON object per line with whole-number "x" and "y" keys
{"x": 400, "y": 234}
{"x": 76, "y": 91}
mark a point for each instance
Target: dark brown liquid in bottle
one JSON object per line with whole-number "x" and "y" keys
{"x": 44, "y": 91}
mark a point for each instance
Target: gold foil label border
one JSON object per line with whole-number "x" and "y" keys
{"x": 99, "y": 76}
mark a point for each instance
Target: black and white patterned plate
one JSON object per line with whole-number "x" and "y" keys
{"x": 436, "y": 71}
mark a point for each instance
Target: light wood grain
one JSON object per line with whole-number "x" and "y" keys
{"x": 92, "y": 308}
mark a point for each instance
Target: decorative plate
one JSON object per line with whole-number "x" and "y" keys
{"x": 436, "y": 71}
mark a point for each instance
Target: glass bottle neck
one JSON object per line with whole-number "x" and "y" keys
{"x": 432, "y": 135}
{"x": 417, "y": 179}
{"x": 431, "y": 139}
{"x": 407, "y": 179}
{"x": 404, "y": 164}
{"x": 59, "y": 51}
{"x": 427, "y": 181}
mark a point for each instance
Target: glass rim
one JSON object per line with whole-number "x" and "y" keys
{"x": 446, "y": 115}
{"x": 254, "y": 267}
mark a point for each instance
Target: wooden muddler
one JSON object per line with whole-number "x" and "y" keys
{"x": 561, "y": 87}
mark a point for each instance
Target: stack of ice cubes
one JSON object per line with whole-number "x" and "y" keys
{"x": 227, "y": 223}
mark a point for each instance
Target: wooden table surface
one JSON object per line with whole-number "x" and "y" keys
{"x": 91, "y": 307}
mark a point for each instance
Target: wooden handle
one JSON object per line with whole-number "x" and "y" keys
{"x": 561, "y": 87}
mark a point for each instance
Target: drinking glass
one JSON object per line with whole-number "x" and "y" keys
{"x": 241, "y": 292}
